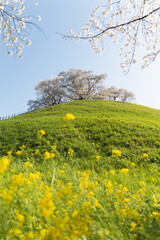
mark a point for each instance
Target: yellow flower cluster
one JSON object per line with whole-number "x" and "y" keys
{"x": 27, "y": 164}
{"x": 69, "y": 209}
{"x": 48, "y": 155}
{"x": 133, "y": 164}
{"x": 18, "y": 152}
{"x": 145, "y": 155}
{"x": 98, "y": 157}
{"x": 41, "y": 132}
{"x": 36, "y": 151}
{"x": 22, "y": 147}
{"x": 70, "y": 151}
{"x": 116, "y": 153}
{"x": 124, "y": 170}
{"x": 6, "y": 196}
{"x": 9, "y": 152}
{"x": 4, "y": 162}
{"x": 19, "y": 217}
{"x": 54, "y": 147}
{"x": 69, "y": 116}
{"x": 46, "y": 206}
{"x": 79, "y": 205}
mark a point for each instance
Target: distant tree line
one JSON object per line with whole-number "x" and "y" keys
{"x": 76, "y": 84}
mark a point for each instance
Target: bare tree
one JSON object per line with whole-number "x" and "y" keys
{"x": 133, "y": 23}
{"x": 78, "y": 84}
{"x": 120, "y": 94}
{"x": 49, "y": 93}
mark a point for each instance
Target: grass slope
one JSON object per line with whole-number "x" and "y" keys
{"x": 99, "y": 127}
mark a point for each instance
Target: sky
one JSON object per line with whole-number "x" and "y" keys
{"x": 49, "y": 54}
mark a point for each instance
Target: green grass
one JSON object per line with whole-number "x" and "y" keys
{"x": 88, "y": 194}
{"x": 99, "y": 127}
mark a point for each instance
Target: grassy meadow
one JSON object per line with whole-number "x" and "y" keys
{"x": 84, "y": 170}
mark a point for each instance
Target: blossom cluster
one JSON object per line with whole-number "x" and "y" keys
{"x": 13, "y": 25}
{"x": 133, "y": 23}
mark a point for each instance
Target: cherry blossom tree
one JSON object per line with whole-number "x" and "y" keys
{"x": 127, "y": 96}
{"x": 120, "y": 94}
{"x": 79, "y": 84}
{"x": 114, "y": 93}
{"x": 135, "y": 23}
{"x": 75, "y": 84}
{"x": 15, "y": 24}
{"x": 49, "y": 92}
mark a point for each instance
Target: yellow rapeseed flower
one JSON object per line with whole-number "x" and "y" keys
{"x": 18, "y": 152}
{"x": 86, "y": 206}
{"x": 70, "y": 203}
{"x": 4, "y": 162}
{"x": 96, "y": 203}
{"x": 109, "y": 187}
{"x": 145, "y": 155}
{"x": 124, "y": 170}
{"x": 75, "y": 213}
{"x": 142, "y": 183}
{"x": 41, "y": 132}
{"x": 64, "y": 166}
{"x": 125, "y": 189}
{"x": 155, "y": 214}
{"x": 107, "y": 231}
{"x": 47, "y": 155}
{"x": 70, "y": 151}
{"x": 112, "y": 172}
{"x": 116, "y": 153}
{"x": 61, "y": 171}
{"x": 127, "y": 200}
{"x": 90, "y": 195}
{"x": 27, "y": 164}
{"x": 133, "y": 164}
{"x": 46, "y": 206}
{"x": 22, "y": 147}
{"x": 54, "y": 147}
{"x": 30, "y": 235}
{"x": 69, "y": 116}
{"x": 15, "y": 231}
{"x": 9, "y": 152}
{"x": 52, "y": 155}
{"x": 36, "y": 151}
{"x": 19, "y": 217}
{"x": 133, "y": 225}
{"x": 7, "y": 196}
{"x": 98, "y": 157}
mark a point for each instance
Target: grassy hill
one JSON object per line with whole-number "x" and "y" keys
{"x": 99, "y": 127}
{"x": 95, "y": 177}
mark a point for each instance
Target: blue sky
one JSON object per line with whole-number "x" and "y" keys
{"x": 47, "y": 57}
